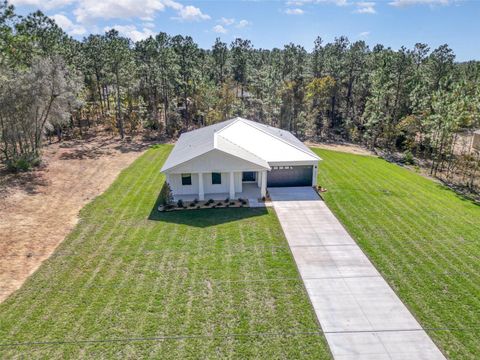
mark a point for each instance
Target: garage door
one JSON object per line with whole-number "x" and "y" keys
{"x": 290, "y": 176}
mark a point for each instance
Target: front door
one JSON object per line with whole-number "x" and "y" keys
{"x": 249, "y": 176}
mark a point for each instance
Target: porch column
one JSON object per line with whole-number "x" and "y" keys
{"x": 259, "y": 178}
{"x": 201, "y": 194}
{"x": 232, "y": 185}
{"x": 263, "y": 183}
{"x": 314, "y": 175}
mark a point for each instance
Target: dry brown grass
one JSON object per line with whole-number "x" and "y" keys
{"x": 341, "y": 147}
{"x": 38, "y": 209}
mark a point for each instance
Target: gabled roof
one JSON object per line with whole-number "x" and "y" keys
{"x": 251, "y": 141}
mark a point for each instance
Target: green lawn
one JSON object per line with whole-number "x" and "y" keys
{"x": 196, "y": 284}
{"x": 222, "y": 283}
{"x": 422, "y": 237}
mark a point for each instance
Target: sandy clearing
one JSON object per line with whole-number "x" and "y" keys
{"x": 38, "y": 209}
{"x": 342, "y": 147}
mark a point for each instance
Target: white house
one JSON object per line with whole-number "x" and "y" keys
{"x": 237, "y": 158}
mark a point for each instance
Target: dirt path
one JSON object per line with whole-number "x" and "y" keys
{"x": 38, "y": 209}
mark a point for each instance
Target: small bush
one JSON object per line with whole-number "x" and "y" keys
{"x": 227, "y": 200}
{"x": 199, "y": 207}
{"x": 192, "y": 204}
{"x": 166, "y": 196}
{"x": 408, "y": 158}
{"x": 195, "y": 201}
{"x": 232, "y": 202}
{"x": 180, "y": 203}
{"x": 23, "y": 163}
{"x": 219, "y": 203}
{"x": 210, "y": 201}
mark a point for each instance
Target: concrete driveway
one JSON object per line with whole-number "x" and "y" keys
{"x": 360, "y": 314}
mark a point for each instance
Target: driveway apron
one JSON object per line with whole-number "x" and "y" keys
{"x": 360, "y": 314}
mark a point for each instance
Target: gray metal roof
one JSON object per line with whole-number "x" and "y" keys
{"x": 198, "y": 142}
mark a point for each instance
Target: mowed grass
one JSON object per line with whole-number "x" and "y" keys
{"x": 130, "y": 282}
{"x": 422, "y": 237}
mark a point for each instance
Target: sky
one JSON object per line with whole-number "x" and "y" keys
{"x": 274, "y": 23}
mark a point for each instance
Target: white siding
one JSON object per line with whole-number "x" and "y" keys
{"x": 179, "y": 189}
{"x": 175, "y": 182}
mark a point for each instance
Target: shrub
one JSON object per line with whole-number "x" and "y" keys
{"x": 192, "y": 204}
{"x": 166, "y": 196}
{"x": 408, "y": 158}
{"x": 219, "y": 203}
{"x": 210, "y": 201}
{"x": 227, "y": 200}
{"x": 195, "y": 201}
{"x": 22, "y": 163}
{"x": 180, "y": 203}
{"x": 232, "y": 202}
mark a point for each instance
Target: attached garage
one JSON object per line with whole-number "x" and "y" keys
{"x": 286, "y": 176}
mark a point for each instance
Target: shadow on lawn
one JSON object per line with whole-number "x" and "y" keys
{"x": 204, "y": 217}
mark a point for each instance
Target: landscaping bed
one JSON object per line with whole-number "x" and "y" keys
{"x": 207, "y": 204}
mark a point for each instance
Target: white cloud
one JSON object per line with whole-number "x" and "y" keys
{"x": 68, "y": 26}
{"x": 405, "y": 3}
{"x": 191, "y": 13}
{"x": 89, "y": 10}
{"x": 131, "y": 32}
{"x": 226, "y": 21}
{"x": 365, "y": 7}
{"x": 295, "y": 11}
{"x": 219, "y": 29}
{"x": 43, "y": 4}
{"x": 364, "y": 34}
{"x": 242, "y": 23}
{"x": 303, "y": 2}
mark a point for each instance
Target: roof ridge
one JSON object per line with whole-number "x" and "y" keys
{"x": 241, "y": 147}
{"x": 250, "y": 123}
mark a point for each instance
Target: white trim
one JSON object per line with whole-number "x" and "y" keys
{"x": 232, "y": 185}
{"x": 172, "y": 169}
{"x": 201, "y": 191}
{"x": 263, "y": 184}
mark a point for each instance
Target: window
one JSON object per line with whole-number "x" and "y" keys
{"x": 249, "y": 176}
{"x": 186, "y": 179}
{"x": 216, "y": 178}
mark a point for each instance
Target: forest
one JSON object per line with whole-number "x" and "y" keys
{"x": 417, "y": 105}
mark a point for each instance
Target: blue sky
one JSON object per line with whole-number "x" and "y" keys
{"x": 273, "y": 23}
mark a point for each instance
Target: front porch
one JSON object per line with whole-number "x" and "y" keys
{"x": 249, "y": 191}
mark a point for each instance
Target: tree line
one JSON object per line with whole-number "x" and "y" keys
{"x": 410, "y": 101}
